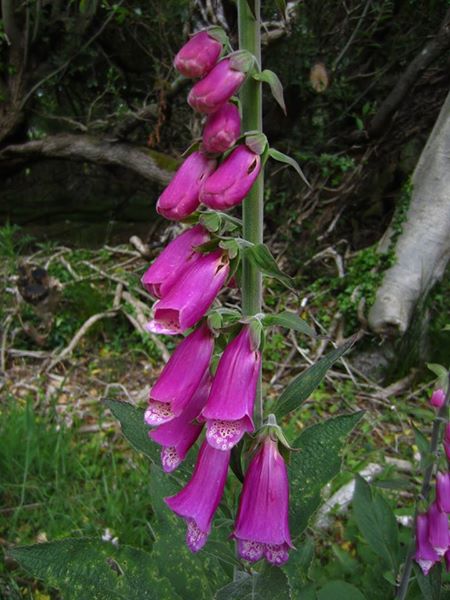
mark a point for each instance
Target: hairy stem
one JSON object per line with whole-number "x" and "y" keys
{"x": 252, "y": 211}
{"x": 441, "y": 417}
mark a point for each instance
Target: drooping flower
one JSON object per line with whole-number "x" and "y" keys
{"x": 438, "y": 529}
{"x": 180, "y": 378}
{"x": 443, "y": 492}
{"x": 437, "y": 398}
{"x": 198, "y": 56}
{"x": 173, "y": 261}
{"x": 222, "y": 129}
{"x": 191, "y": 296}
{"x": 178, "y": 435}
{"x": 262, "y": 527}
{"x": 216, "y": 88}
{"x": 229, "y": 408}
{"x": 180, "y": 198}
{"x": 232, "y": 180}
{"x": 425, "y": 554}
{"x": 198, "y": 500}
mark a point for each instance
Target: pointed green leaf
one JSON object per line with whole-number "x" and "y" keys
{"x": 431, "y": 584}
{"x": 251, "y": 5}
{"x": 257, "y": 142}
{"x": 315, "y": 464}
{"x": 134, "y": 428}
{"x": 304, "y": 384}
{"x": 271, "y": 584}
{"x": 288, "y": 160}
{"x": 291, "y": 321}
{"x": 91, "y": 568}
{"x": 275, "y": 84}
{"x": 261, "y": 257}
{"x": 376, "y": 521}
{"x": 339, "y": 590}
{"x": 281, "y": 5}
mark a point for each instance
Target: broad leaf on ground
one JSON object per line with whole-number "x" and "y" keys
{"x": 315, "y": 464}
{"x": 271, "y": 584}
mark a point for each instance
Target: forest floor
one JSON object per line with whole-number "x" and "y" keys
{"x": 65, "y": 468}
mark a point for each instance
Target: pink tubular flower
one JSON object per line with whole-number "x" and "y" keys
{"x": 191, "y": 296}
{"x": 443, "y": 492}
{"x": 425, "y": 554}
{"x": 198, "y": 501}
{"x": 232, "y": 180}
{"x": 216, "y": 88}
{"x": 180, "y": 198}
{"x": 438, "y": 529}
{"x": 229, "y": 408}
{"x": 262, "y": 527}
{"x": 437, "y": 398}
{"x": 180, "y": 378}
{"x": 173, "y": 260}
{"x": 177, "y": 436}
{"x": 198, "y": 55}
{"x": 222, "y": 129}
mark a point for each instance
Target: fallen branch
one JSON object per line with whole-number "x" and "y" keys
{"x": 90, "y": 149}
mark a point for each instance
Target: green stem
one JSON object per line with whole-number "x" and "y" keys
{"x": 441, "y": 417}
{"x": 253, "y": 206}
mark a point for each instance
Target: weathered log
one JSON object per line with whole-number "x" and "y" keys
{"x": 68, "y": 146}
{"x": 422, "y": 250}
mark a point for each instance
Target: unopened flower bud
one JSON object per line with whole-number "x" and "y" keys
{"x": 198, "y": 56}
{"x": 211, "y": 92}
{"x": 222, "y": 129}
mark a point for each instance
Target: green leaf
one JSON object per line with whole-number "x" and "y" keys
{"x": 211, "y": 220}
{"x": 376, "y": 522}
{"x": 257, "y": 142}
{"x": 134, "y": 428}
{"x": 288, "y": 160}
{"x": 275, "y": 84}
{"x": 290, "y": 320}
{"x": 441, "y": 373}
{"x": 193, "y": 576}
{"x": 297, "y": 566}
{"x": 271, "y": 584}
{"x": 300, "y": 388}
{"x": 430, "y": 585}
{"x": 316, "y": 463}
{"x": 339, "y": 590}
{"x": 89, "y": 568}
{"x": 281, "y": 5}
{"x": 261, "y": 257}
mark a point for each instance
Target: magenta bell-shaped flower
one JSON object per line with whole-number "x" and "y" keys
{"x": 173, "y": 260}
{"x": 180, "y": 198}
{"x": 180, "y": 434}
{"x": 425, "y": 554}
{"x": 191, "y": 296}
{"x": 180, "y": 378}
{"x": 216, "y": 88}
{"x": 222, "y": 129}
{"x": 438, "y": 529}
{"x": 229, "y": 409}
{"x": 198, "y": 56}
{"x": 443, "y": 492}
{"x": 198, "y": 501}
{"x": 437, "y": 398}
{"x": 262, "y": 527}
{"x": 232, "y": 180}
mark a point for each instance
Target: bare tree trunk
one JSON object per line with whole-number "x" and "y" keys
{"x": 423, "y": 248}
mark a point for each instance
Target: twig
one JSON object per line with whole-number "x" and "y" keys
{"x": 79, "y": 334}
{"x": 6, "y": 326}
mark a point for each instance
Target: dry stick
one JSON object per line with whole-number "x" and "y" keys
{"x": 6, "y": 327}
{"x": 79, "y": 334}
{"x": 440, "y": 418}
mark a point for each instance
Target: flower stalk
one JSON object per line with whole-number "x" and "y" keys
{"x": 441, "y": 418}
{"x": 253, "y": 206}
